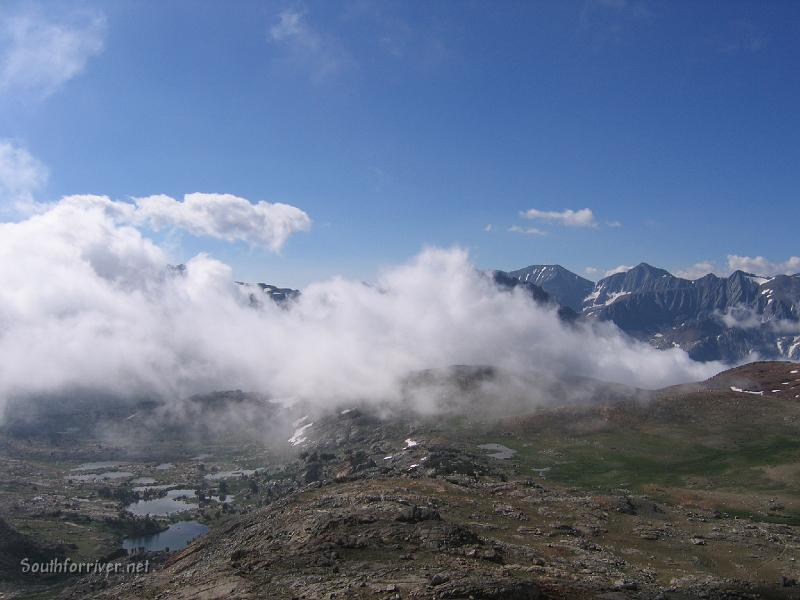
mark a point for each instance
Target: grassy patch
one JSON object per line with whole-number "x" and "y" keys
{"x": 636, "y": 459}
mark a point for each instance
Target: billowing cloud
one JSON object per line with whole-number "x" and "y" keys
{"x": 615, "y": 270}
{"x": 697, "y": 270}
{"x": 225, "y": 217}
{"x": 322, "y": 56}
{"x": 21, "y": 174}
{"x": 761, "y": 266}
{"x": 526, "y": 230}
{"x": 568, "y": 217}
{"x": 221, "y": 216}
{"x": 87, "y": 302}
{"x": 38, "y": 53}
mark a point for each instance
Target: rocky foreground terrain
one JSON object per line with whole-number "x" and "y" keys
{"x": 689, "y": 492}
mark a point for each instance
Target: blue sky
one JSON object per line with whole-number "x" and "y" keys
{"x": 396, "y": 125}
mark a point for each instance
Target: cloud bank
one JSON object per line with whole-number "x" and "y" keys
{"x": 88, "y": 302}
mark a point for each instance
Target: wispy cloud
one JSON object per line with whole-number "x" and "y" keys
{"x": 21, "y": 174}
{"x": 526, "y": 230}
{"x": 488, "y": 227}
{"x": 762, "y": 266}
{"x": 619, "y": 269}
{"x": 605, "y": 21}
{"x": 739, "y": 36}
{"x": 568, "y": 217}
{"x": 419, "y": 44}
{"x": 39, "y": 54}
{"x": 591, "y": 270}
{"x": 322, "y": 56}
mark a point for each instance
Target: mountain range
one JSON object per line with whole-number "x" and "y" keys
{"x": 742, "y": 317}
{"x": 735, "y": 318}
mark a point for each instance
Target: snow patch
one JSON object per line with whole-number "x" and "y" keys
{"x": 613, "y": 297}
{"x": 736, "y": 389}
{"x": 299, "y": 436}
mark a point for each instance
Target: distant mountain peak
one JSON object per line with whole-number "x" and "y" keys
{"x": 644, "y": 267}
{"x": 711, "y": 317}
{"x": 566, "y": 287}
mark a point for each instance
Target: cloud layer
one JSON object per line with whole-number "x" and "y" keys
{"x": 87, "y": 302}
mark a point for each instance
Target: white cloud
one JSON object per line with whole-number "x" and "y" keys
{"x": 568, "y": 217}
{"x": 591, "y": 270}
{"x": 746, "y": 317}
{"x": 86, "y": 301}
{"x": 323, "y": 56}
{"x": 697, "y": 270}
{"x": 488, "y": 227}
{"x": 221, "y": 216}
{"x": 21, "y": 174}
{"x": 614, "y": 224}
{"x": 526, "y": 230}
{"x": 761, "y": 266}
{"x": 225, "y": 217}
{"x": 619, "y": 269}
{"x": 38, "y": 54}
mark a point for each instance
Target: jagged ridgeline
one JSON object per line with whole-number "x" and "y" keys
{"x": 733, "y": 318}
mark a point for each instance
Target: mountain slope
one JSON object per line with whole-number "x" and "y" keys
{"x": 567, "y": 288}
{"x": 712, "y": 318}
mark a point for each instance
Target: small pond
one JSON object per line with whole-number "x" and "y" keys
{"x": 177, "y": 536}
{"x": 174, "y": 502}
{"x": 498, "y": 451}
